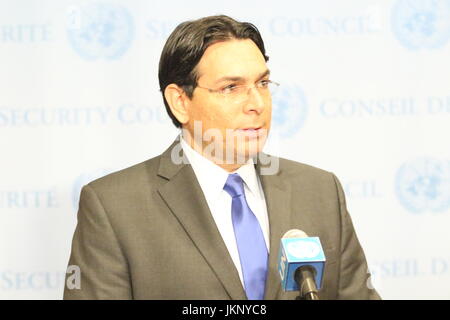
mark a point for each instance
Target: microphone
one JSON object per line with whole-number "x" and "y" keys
{"x": 301, "y": 264}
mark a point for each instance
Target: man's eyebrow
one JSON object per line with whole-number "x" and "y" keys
{"x": 231, "y": 78}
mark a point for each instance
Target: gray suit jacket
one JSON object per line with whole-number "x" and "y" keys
{"x": 146, "y": 232}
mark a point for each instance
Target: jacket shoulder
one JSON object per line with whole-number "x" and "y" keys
{"x": 304, "y": 176}
{"x": 290, "y": 168}
{"x": 132, "y": 177}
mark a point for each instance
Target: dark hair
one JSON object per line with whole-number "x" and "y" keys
{"x": 185, "y": 47}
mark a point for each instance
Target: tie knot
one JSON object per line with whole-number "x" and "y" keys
{"x": 234, "y": 185}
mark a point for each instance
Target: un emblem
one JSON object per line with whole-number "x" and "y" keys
{"x": 100, "y": 30}
{"x": 289, "y": 111}
{"x": 82, "y": 180}
{"x": 303, "y": 249}
{"x": 424, "y": 185}
{"x": 421, "y": 23}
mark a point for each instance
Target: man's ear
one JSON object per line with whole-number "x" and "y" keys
{"x": 178, "y": 102}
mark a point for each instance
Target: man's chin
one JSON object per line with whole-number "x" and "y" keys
{"x": 251, "y": 150}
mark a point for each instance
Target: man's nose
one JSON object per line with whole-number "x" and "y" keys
{"x": 256, "y": 101}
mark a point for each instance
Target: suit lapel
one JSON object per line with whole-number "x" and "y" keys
{"x": 183, "y": 195}
{"x": 277, "y": 195}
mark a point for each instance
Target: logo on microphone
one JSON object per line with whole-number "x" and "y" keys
{"x": 421, "y": 24}
{"x": 290, "y": 110}
{"x": 100, "y": 30}
{"x": 424, "y": 185}
{"x": 303, "y": 249}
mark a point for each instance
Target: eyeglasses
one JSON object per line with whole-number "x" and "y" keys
{"x": 239, "y": 93}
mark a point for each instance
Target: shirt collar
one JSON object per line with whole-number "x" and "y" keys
{"x": 248, "y": 174}
{"x": 205, "y": 169}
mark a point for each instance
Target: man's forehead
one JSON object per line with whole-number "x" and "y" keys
{"x": 238, "y": 58}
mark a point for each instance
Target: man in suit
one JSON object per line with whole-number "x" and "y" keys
{"x": 204, "y": 219}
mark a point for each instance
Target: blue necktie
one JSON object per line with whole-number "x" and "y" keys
{"x": 249, "y": 238}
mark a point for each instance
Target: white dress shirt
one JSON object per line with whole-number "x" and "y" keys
{"x": 212, "y": 179}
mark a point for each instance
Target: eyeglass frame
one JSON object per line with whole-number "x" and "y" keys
{"x": 248, "y": 86}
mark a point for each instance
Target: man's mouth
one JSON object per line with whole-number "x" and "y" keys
{"x": 251, "y": 129}
{"x": 252, "y": 132}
